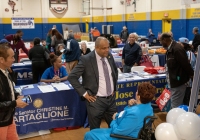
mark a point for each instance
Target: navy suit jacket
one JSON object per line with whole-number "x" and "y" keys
{"x": 88, "y": 69}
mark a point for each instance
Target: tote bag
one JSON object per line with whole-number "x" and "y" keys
{"x": 146, "y": 61}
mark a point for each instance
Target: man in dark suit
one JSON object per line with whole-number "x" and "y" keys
{"x": 196, "y": 40}
{"x": 99, "y": 80}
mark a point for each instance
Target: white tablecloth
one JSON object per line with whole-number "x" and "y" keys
{"x": 154, "y": 59}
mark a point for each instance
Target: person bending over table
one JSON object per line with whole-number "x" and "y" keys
{"x": 56, "y": 73}
{"x": 129, "y": 121}
{"x": 17, "y": 43}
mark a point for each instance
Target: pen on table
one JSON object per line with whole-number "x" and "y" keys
{"x": 25, "y": 87}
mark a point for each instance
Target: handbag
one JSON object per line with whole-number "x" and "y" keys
{"x": 163, "y": 99}
{"x": 46, "y": 54}
{"x": 146, "y": 61}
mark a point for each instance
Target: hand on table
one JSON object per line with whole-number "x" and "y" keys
{"x": 56, "y": 78}
{"x": 90, "y": 98}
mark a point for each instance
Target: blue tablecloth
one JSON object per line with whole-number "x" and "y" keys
{"x": 127, "y": 90}
{"x": 50, "y": 110}
{"x": 24, "y": 74}
{"x": 162, "y": 59}
{"x": 65, "y": 108}
{"x": 120, "y": 45}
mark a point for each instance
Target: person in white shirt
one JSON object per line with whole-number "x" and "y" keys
{"x": 9, "y": 98}
{"x": 99, "y": 79}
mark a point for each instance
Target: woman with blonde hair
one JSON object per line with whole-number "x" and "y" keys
{"x": 84, "y": 49}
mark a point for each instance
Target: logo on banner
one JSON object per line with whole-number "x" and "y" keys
{"x": 58, "y": 6}
{"x": 37, "y": 103}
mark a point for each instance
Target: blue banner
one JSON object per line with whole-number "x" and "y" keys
{"x": 50, "y": 110}
{"x": 24, "y": 73}
{"x": 127, "y": 90}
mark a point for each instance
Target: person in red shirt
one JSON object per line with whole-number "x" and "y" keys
{"x": 16, "y": 43}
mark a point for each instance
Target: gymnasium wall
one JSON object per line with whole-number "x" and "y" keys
{"x": 44, "y": 18}
{"x": 147, "y": 14}
{"x": 137, "y": 17}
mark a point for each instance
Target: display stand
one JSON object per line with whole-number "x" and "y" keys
{"x": 195, "y": 84}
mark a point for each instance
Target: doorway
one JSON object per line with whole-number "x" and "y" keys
{"x": 86, "y": 27}
{"x": 166, "y": 25}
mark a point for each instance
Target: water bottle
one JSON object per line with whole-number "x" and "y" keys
{"x": 52, "y": 50}
{"x": 63, "y": 58}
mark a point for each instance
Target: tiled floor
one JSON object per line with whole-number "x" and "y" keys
{"x": 78, "y": 134}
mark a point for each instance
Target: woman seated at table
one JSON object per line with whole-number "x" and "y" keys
{"x": 56, "y": 73}
{"x": 130, "y": 121}
{"x": 84, "y": 49}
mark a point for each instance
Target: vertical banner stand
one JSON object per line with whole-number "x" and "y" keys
{"x": 195, "y": 84}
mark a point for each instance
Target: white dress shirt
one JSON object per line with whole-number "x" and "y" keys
{"x": 102, "y": 82}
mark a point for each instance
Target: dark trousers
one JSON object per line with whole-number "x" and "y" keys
{"x": 186, "y": 99}
{"x": 94, "y": 38}
{"x": 38, "y": 69}
{"x": 101, "y": 108}
{"x": 16, "y": 56}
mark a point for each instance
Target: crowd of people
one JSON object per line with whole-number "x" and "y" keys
{"x": 67, "y": 61}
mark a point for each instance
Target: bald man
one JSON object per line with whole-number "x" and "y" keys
{"x": 99, "y": 74}
{"x": 131, "y": 54}
{"x": 124, "y": 34}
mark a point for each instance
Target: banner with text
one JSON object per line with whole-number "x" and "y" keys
{"x": 127, "y": 90}
{"x": 24, "y": 73}
{"x": 23, "y": 23}
{"x": 51, "y": 110}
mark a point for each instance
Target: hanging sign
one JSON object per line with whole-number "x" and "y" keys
{"x": 22, "y": 23}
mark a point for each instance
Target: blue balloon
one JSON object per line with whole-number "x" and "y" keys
{"x": 184, "y": 107}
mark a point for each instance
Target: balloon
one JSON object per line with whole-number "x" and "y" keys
{"x": 187, "y": 126}
{"x": 173, "y": 114}
{"x": 165, "y": 131}
{"x": 184, "y": 107}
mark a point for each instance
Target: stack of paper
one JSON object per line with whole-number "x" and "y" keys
{"x": 18, "y": 64}
{"x": 46, "y": 88}
{"x": 60, "y": 86}
{"x": 161, "y": 75}
{"x": 27, "y": 62}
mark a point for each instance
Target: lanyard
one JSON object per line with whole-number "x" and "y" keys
{"x": 56, "y": 72}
